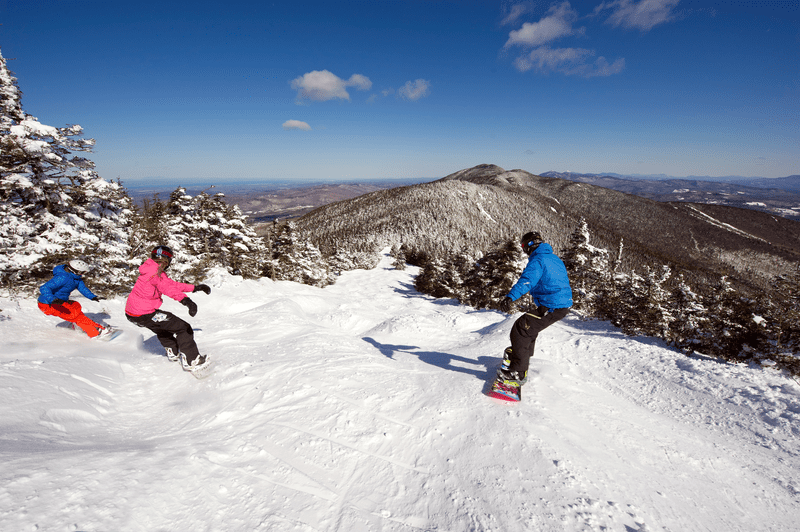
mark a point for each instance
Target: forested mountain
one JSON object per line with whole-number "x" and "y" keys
{"x": 716, "y": 280}
{"x": 471, "y": 210}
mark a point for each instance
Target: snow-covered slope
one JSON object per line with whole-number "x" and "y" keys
{"x": 359, "y": 407}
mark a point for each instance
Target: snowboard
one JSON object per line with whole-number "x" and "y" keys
{"x": 203, "y": 372}
{"x": 114, "y": 334}
{"x": 502, "y": 391}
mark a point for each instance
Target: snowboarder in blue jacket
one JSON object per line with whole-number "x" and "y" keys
{"x": 54, "y": 297}
{"x": 545, "y": 278}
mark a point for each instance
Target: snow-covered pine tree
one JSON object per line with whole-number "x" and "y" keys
{"x": 52, "y": 206}
{"x": 587, "y": 266}
{"x": 205, "y": 232}
{"x": 631, "y": 306}
{"x": 106, "y": 240}
{"x": 151, "y": 227}
{"x": 492, "y": 276}
{"x": 608, "y": 304}
{"x": 415, "y": 255}
{"x": 434, "y": 280}
{"x": 735, "y": 324}
{"x": 210, "y": 223}
{"x": 787, "y": 312}
{"x": 184, "y": 232}
{"x": 399, "y": 256}
{"x": 244, "y": 249}
{"x": 295, "y": 258}
{"x": 654, "y": 313}
{"x": 688, "y": 321}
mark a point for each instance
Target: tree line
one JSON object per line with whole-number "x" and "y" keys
{"x": 717, "y": 319}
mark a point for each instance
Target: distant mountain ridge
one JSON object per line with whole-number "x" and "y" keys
{"x": 765, "y": 182}
{"x": 763, "y": 194}
{"x": 471, "y": 210}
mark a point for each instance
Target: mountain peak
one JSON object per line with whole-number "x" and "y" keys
{"x": 489, "y": 174}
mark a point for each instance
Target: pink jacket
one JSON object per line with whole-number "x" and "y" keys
{"x": 150, "y": 286}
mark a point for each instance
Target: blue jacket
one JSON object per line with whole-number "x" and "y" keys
{"x": 545, "y": 277}
{"x": 61, "y": 286}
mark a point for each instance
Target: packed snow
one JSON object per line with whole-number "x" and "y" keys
{"x": 360, "y": 407}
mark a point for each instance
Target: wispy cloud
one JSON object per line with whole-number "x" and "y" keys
{"x": 557, "y": 24}
{"x": 414, "y": 90}
{"x": 323, "y": 85}
{"x": 643, "y": 15}
{"x": 568, "y": 61}
{"x": 515, "y": 11}
{"x": 296, "y": 124}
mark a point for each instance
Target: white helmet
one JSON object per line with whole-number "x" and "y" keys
{"x": 78, "y": 266}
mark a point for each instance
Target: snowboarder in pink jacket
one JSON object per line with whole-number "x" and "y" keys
{"x": 144, "y": 303}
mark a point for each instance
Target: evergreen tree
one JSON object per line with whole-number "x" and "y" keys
{"x": 689, "y": 317}
{"x": 244, "y": 249}
{"x": 655, "y": 315}
{"x": 435, "y": 279}
{"x": 295, "y": 258}
{"x": 787, "y": 312}
{"x": 587, "y": 266}
{"x": 632, "y": 304}
{"x": 106, "y": 238}
{"x": 493, "y": 275}
{"x": 399, "y": 256}
{"x": 151, "y": 226}
{"x": 205, "y": 232}
{"x": 53, "y": 206}
{"x": 183, "y": 229}
{"x": 208, "y": 221}
{"x": 415, "y": 256}
{"x": 608, "y": 304}
{"x": 735, "y": 322}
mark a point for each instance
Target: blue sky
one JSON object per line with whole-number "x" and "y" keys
{"x": 323, "y": 90}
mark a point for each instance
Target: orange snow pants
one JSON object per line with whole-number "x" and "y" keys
{"x": 71, "y": 312}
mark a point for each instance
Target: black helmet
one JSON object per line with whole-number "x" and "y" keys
{"x": 161, "y": 253}
{"x": 530, "y": 241}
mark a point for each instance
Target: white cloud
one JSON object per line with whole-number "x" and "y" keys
{"x": 558, "y": 23}
{"x": 323, "y": 85}
{"x": 414, "y": 90}
{"x": 360, "y": 82}
{"x": 296, "y": 124}
{"x": 568, "y": 61}
{"x": 514, "y": 12}
{"x": 642, "y": 15}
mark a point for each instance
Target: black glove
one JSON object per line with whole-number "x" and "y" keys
{"x": 505, "y": 305}
{"x": 57, "y": 301}
{"x": 58, "y": 304}
{"x": 202, "y": 288}
{"x": 97, "y": 298}
{"x": 188, "y": 303}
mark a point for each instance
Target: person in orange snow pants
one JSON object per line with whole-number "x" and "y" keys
{"x": 71, "y": 311}
{"x": 54, "y": 299}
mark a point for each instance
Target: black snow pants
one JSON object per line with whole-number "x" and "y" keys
{"x": 525, "y": 331}
{"x": 171, "y": 331}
